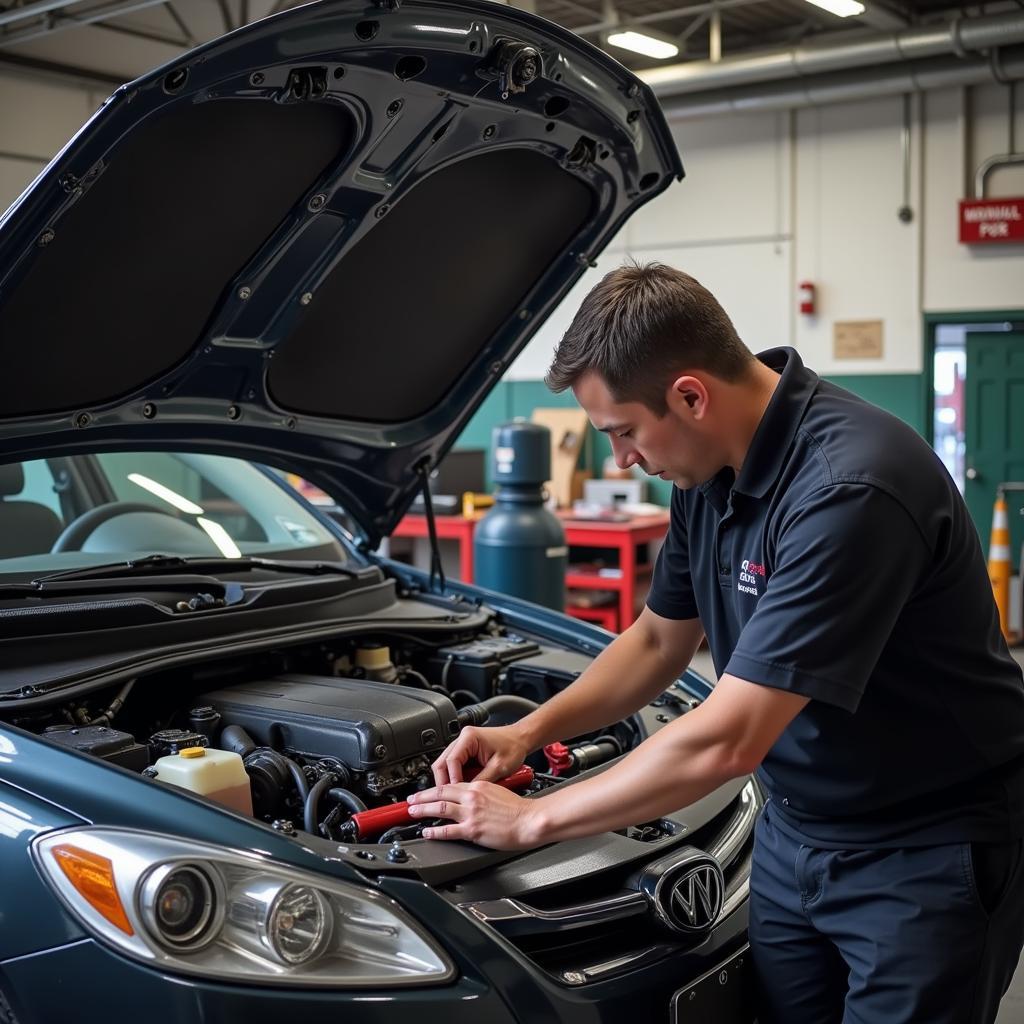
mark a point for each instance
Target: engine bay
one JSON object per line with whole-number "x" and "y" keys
{"x": 330, "y": 739}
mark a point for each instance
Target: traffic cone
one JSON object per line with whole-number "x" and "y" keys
{"x": 999, "y": 562}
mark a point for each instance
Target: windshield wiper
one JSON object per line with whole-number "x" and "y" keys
{"x": 172, "y": 565}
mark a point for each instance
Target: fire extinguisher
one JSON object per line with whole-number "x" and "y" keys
{"x": 807, "y": 297}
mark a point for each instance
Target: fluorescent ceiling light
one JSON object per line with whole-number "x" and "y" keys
{"x": 840, "y": 8}
{"x": 641, "y": 42}
{"x": 225, "y": 545}
{"x": 171, "y": 497}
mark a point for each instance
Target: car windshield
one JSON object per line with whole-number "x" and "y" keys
{"x": 84, "y": 510}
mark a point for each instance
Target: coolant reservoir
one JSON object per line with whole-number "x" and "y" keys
{"x": 217, "y": 774}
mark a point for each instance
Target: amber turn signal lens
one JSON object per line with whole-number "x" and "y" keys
{"x": 93, "y": 877}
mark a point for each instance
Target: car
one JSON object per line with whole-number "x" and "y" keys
{"x": 307, "y": 251}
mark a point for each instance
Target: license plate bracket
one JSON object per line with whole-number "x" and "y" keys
{"x": 725, "y": 995}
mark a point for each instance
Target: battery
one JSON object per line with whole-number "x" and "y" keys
{"x": 103, "y": 742}
{"x": 476, "y": 664}
{"x": 540, "y": 677}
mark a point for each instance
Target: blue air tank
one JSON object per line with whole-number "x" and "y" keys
{"x": 519, "y": 546}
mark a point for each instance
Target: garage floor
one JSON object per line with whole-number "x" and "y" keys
{"x": 1012, "y": 1009}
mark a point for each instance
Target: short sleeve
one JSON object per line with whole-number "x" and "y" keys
{"x": 671, "y": 593}
{"x": 846, "y": 563}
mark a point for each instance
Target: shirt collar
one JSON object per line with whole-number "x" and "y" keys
{"x": 778, "y": 426}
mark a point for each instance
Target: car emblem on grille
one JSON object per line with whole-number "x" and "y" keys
{"x": 685, "y": 891}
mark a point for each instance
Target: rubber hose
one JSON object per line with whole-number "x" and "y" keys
{"x": 506, "y": 708}
{"x": 301, "y": 782}
{"x": 401, "y": 832}
{"x": 313, "y": 799}
{"x": 608, "y": 738}
{"x": 348, "y": 798}
{"x": 236, "y": 739}
{"x": 462, "y": 698}
{"x": 417, "y": 675}
{"x": 472, "y": 714}
{"x": 115, "y": 705}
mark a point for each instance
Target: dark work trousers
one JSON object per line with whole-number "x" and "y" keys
{"x": 929, "y": 935}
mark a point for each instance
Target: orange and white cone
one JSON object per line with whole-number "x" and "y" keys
{"x": 999, "y": 562}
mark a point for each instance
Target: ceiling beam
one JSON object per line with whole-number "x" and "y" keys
{"x": 57, "y": 23}
{"x": 675, "y": 12}
{"x": 225, "y": 14}
{"x": 178, "y": 20}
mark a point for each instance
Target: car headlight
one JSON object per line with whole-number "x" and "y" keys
{"x": 197, "y": 909}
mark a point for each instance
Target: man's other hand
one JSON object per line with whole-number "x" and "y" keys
{"x": 480, "y": 812}
{"x": 499, "y": 749}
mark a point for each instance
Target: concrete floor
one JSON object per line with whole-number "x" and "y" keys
{"x": 1012, "y": 1009}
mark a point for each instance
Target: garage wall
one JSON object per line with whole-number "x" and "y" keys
{"x": 959, "y": 277}
{"x": 773, "y": 199}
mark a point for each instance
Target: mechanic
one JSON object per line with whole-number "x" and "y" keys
{"x": 830, "y": 560}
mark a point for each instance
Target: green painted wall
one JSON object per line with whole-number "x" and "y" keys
{"x": 899, "y": 393}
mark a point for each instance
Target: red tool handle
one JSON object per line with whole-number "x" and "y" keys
{"x": 376, "y": 821}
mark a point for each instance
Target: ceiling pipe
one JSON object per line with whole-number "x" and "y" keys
{"x": 989, "y": 165}
{"x": 843, "y": 86}
{"x": 961, "y": 36}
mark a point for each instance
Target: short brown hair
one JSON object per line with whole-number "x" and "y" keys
{"x": 641, "y": 324}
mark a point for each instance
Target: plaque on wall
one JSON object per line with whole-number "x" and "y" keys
{"x": 857, "y": 339}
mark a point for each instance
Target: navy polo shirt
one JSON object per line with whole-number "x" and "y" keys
{"x": 841, "y": 564}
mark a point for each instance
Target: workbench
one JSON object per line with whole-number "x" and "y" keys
{"x": 626, "y": 572}
{"x": 624, "y": 539}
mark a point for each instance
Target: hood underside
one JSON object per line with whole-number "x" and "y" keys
{"x": 318, "y": 242}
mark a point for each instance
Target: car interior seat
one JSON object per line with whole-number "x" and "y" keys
{"x": 26, "y": 527}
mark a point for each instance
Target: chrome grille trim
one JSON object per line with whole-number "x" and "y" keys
{"x": 508, "y": 909}
{"x": 737, "y": 832}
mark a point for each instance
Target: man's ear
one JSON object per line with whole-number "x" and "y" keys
{"x": 689, "y": 396}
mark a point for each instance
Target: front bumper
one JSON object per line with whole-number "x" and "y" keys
{"x": 87, "y": 983}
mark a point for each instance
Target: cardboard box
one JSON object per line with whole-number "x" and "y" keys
{"x": 569, "y": 432}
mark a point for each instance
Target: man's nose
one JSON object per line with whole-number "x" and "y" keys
{"x": 625, "y": 455}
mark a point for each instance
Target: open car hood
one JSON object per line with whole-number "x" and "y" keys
{"x": 319, "y": 241}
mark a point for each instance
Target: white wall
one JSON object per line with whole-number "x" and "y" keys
{"x": 773, "y": 199}
{"x": 959, "y": 276}
{"x": 727, "y": 223}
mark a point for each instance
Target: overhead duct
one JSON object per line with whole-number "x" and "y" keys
{"x": 961, "y": 36}
{"x": 842, "y": 86}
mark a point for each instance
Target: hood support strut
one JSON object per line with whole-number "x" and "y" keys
{"x": 436, "y": 569}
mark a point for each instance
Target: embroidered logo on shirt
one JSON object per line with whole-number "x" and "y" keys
{"x": 751, "y": 576}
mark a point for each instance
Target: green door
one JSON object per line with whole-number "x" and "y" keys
{"x": 994, "y": 429}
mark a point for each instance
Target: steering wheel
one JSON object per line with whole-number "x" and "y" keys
{"x": 75, "y": 534}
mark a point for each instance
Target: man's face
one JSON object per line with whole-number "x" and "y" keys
{"x": 676, "y": 446}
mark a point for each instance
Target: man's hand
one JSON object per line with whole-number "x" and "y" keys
{"x": 480, "y": 813}
{"x": 500, "y": 749}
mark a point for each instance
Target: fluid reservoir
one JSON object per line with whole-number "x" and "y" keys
{"x": 217, "y": 774}
{"x": 375, "y": 661}
{"x": 519, "y": 546}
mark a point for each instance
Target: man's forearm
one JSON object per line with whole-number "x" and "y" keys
{"x": 674, "y": 768}
{"x": 628, "y": 674}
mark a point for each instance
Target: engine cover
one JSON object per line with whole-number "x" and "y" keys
{"x": 387, "y": 731}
